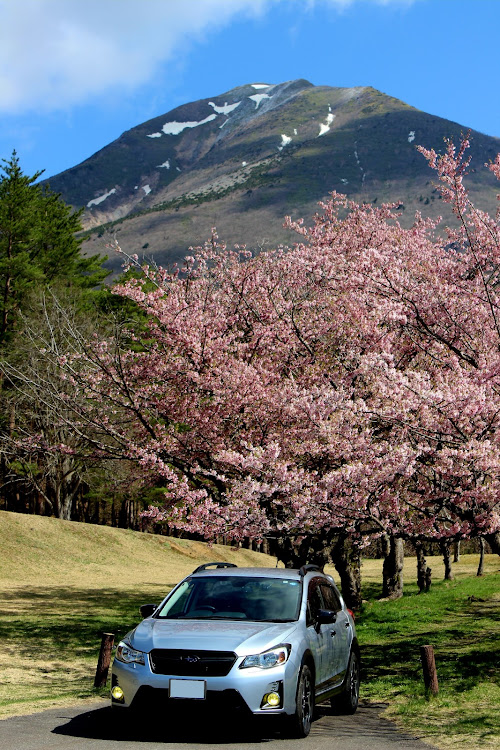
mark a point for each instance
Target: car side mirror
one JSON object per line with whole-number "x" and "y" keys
{"x": 326, "y": 616}
{"x": 147, "y": 610}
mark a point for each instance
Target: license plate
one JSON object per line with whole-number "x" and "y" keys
{"x": 188, "y": 689}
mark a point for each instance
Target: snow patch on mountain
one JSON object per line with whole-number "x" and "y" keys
{"x": 325, "y": 127}
{"x": 101, "y": 198}
{"x": 285, "y": 140}
{"x": 411, "y": 136}
{"x": 356, "y": 156}
{"x": 258, "y": 98}
{"x": 260, "y": 85}
{"x": 174, "y": 128}
{"x": 146, "y": 189}
{"x": 166, "y": 165}
{"x": 226, "y": 109}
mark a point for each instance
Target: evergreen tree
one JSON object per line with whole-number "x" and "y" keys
{"x": 38, "y": 243}
{"x": 39, "y": 248}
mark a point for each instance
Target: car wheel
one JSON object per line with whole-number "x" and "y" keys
{"x": 300, "y": 723}
{"x": 347, "y": 701}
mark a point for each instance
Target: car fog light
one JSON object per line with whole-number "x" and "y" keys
{"x": 271, "y": 699}
{"x": 117, "y": 694}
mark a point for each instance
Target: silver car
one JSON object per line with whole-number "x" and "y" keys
{"x": 265, "y": 641}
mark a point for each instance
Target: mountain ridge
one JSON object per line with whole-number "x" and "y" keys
{"x": 244, "y": 159}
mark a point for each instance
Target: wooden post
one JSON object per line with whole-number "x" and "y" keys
{"x": 101, "y": 674}
{"x": 428, "y": 578}
{"x": 429, "y": 668}
{"x": 480, "y": 570}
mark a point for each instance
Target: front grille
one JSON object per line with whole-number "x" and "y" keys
{"x": 187, "y": 663}
{"x": 157, "y": 699}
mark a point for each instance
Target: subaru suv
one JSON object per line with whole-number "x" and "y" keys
{"x": 263, "y": 640}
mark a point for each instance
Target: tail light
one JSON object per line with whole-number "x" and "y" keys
{"x": 352, "y": 614}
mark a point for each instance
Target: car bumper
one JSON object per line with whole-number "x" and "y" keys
{"x": 244, "y": 688}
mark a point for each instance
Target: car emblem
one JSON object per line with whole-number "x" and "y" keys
{"x": 192, "y": 659}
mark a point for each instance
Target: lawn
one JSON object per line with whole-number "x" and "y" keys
{"x": 62, "y": 584}
{"x": 461, "y": 619}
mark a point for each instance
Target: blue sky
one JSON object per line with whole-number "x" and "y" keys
{"x": 75, "y": 74}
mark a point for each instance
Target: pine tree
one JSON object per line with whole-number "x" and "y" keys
{"x": 39, "y": 248}
{"x": 38, "y": 243}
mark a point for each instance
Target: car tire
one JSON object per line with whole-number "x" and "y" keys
{"x": 347, "y": 701}
{"x": 299, "y": 725}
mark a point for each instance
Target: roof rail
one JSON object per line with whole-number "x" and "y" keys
{"x": 214, "y": 565}
{"x": 306, "y": 568}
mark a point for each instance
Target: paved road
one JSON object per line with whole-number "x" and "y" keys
{"x": 96, "y": 729}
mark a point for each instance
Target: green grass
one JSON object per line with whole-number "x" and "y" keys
{"x": 63, "y": 584}
{"x": 460, "y": 619}
{"x": 51, "y": 637}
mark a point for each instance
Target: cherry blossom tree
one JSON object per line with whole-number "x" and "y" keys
{"x": 342, "y": 387}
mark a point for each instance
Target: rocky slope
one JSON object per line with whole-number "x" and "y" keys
{"x": 243, "y": 160}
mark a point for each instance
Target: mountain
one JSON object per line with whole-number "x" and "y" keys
{"x": 243, "y": 160}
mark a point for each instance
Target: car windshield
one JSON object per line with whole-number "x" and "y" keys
{"x": 234, "y": 598}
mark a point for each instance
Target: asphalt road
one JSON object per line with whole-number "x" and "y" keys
{"x": 96, "y": 728}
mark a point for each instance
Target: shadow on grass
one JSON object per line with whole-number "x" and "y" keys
{"x": 67, "y": 618}
{"x": 371, "y": 591}
{"x": 401, "y": 661}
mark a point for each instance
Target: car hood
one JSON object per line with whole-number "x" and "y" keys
{"x": 241, "y": 637}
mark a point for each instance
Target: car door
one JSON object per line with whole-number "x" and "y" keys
{"x": 318, "y": 636}
{"x": 340, "y": 634}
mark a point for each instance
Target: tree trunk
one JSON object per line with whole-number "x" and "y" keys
{"x": 423, "y": 572}
{"x": 347, "y": 560}
{"x": 494, "y": 542}
{"x": 456, "y": 552}
{"x": 64, "y": 505}
{"x": 480, "y": 570}
{"x": 444, "y": 546}
{"x": 65, "y": 493}
{"x": 393, "y": 548}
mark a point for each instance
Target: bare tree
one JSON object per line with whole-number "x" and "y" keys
{"x": 43, "y": 450}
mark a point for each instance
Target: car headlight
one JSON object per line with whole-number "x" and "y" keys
{"x": 275, "y": 657}
{"x": 127, "y": 654}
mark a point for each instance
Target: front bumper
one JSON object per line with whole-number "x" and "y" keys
{"x": 240, "y": 688}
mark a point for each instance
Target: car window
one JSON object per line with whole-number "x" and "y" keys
{"x": 330, "y": 598}
{"x": 314, "y": 602}
{"x": 179, "y": 598}
{"x": 235, "y": 598}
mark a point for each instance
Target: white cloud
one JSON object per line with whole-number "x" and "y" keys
{"x": 58, "y": 53}
{"x": 345, "y": 3}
